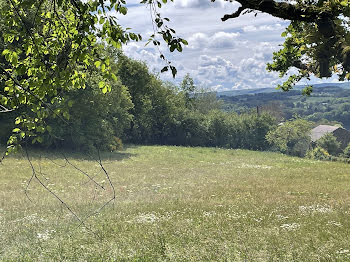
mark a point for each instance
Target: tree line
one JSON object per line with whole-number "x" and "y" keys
{"x": 143, "y": 109}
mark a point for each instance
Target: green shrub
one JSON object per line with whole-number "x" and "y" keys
{"x": 116, "y": 144}
{"x": 318, "y": 153}
{"x": 330, "y": 144}
{"x": 346, "y": 152}
{"x": 292, "y": 137}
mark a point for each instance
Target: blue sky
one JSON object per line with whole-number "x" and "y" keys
{"x": 220, "y": 56}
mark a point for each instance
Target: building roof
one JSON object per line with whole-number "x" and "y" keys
{"x": 320, "y": 131}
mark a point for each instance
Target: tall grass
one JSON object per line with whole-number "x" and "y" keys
{"x": 177, "y": 204}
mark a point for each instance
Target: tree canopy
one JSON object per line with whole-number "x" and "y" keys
{"x": 51, "y": 46}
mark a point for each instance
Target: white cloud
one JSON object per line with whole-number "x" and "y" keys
{"x": 249, "y": 28}
{"x": 223, "y": 40}
{"x": 220, "y": 55}
{"x": 266, "y": 27}
{"x": 198, "y": 3}
{"x": 218, "y": 40}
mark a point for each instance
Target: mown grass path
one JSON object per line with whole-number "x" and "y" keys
{"x": 178, "y": 204}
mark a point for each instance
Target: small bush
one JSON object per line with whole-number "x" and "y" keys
{"x": 318, "y": 153}
{"x": 346, "y": 152}
{"x": 117, "y": 144}
{"x": 292, "y": 137}
{"x": 330, "y": 144}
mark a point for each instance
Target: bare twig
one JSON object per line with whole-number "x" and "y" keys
{"x": 4, "y": 109}
{"x": 63, "y": 203}
{"x": 32, "y": 176}
{"x": 112, "y": 186}
{"x": 107, "y": 175}
{"x": 83, "y": 172}
{"x": 65, "y": 163}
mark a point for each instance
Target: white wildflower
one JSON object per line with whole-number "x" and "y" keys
{"x": 343, "y": 251}
{"x": 147, "y": 218}
{"x": 259, "y": 219}
{"x": 315, "y": 209}
{"x": 254, "y": 166}
{"x": 209, "y": 214}
{"x": 334, "y": 223}
{"x": 290, "y": 227}
{"x": 46, "y": 235}
{"x": 280, "y": 217}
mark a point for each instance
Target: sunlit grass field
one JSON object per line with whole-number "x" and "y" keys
{"x": 176, "y": 204}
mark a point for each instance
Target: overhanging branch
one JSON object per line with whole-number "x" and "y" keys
{"x": 283, "y": 10}
{"x": 233, "y": 15}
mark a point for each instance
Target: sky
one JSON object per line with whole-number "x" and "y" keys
{"x": 221, "y": 56}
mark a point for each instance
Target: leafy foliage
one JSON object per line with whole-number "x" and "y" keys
{"x": 346, "y": 151}
{"x": 291, "y": 137}
{"x": 330, "y": 144}
{"x": 50, "y": 48}
{"x": 318, "y": 153}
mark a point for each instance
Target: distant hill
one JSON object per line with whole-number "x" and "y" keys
{"x": 238, "y": 92}
{"x": 328, "y": 102}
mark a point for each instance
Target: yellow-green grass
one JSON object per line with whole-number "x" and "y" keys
{"x": 177, "y": 204}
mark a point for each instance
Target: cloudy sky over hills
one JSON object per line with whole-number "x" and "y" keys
{"x": 220, "y": 55}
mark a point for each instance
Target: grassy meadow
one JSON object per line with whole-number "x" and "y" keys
{"x": 176, "y": 204}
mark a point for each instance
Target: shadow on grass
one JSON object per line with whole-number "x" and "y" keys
{"x": 55, "y": 154}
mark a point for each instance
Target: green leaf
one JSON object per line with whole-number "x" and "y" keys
{"x": 123, "y": 10}
{"x": 98, "y": 64}
{"x": 101, "y": 84}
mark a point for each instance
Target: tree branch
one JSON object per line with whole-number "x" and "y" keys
{"x": 234, "y": 15}
{"x": 286, "y": 11}
{"x": 4, "y": 109}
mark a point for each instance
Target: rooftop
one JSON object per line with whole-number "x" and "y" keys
{"x": 321, "y": 130}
